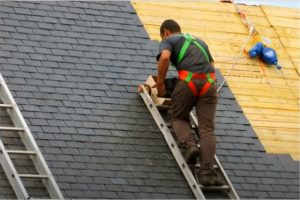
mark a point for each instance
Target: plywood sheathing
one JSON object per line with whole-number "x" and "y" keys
{"x": 268, "y": 97}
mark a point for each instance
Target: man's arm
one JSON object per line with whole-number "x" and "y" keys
{"x": 163, "y": 66}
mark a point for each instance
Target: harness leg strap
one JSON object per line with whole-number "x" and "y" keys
{"x": 204, "y": 89}
{"x": 192, "y": 87}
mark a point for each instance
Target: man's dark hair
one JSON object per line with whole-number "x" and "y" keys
{"x": 170, "y": 25}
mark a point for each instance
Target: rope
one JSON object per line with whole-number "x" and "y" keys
{"x": 282, "y": 75}
{"x": 251, "y": 31}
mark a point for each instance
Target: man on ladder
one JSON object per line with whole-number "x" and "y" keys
{"x": 196, "y": 87}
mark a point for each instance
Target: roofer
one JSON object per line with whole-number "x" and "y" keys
{"x": 196, "y": 87}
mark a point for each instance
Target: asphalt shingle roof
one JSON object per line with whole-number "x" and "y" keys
{"x": 73, "y": 68}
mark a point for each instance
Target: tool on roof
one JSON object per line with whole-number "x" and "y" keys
{"x": 260, "y": 46}
{"x": 236, "y": 60}
{"x": 156, "y": 106}
{"x": 16, "y": 179}
{"x": 267, "y": 54}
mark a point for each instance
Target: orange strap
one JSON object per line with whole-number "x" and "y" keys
{"x": 188, "y": 76}
{"x": 204, "y": 89}
{"x": 193, "y": 88}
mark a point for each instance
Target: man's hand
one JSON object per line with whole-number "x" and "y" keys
{"x": 140, "y": 89}
{"x": 161, "y": 89}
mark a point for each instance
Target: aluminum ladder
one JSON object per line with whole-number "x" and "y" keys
{"x": 32, "y": 150}
{"x": 200, "y": 191}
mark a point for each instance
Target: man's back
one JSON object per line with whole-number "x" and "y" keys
{"x": 194, "y": 60}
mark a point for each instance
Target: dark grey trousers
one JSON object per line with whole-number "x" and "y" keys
{"x": 183, "y": 102}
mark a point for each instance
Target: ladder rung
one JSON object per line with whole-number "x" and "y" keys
{"x": 2, "y": 128}
{"x": 6, "y": 106}
{"x": 33, "y": 176}
{"x": 21, "y": 152}
{"x": 223, "y": 187}
{"x": 163, "y": 107}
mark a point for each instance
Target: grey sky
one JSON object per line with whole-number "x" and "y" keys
{"x": 280, "y": 3}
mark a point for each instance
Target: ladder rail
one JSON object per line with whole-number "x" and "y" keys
{"x": 232, "y": 194}
{"x": 172, "y": 144}
{"x": 12, "y": 174}
{"x": 29, "y": 141}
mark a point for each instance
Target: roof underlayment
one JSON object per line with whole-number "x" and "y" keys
{"x": 73, "y": 68}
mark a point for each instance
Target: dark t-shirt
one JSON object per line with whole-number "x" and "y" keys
{"x": 194, "y": 60}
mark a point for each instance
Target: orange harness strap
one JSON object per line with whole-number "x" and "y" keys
{"x": 188, "y": 76}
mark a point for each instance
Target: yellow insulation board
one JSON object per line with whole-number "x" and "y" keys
{"x": 268, "y": 97}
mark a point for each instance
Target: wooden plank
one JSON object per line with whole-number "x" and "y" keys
{"x": 271, "y": 118}
{"x": 239, "y": 67}
{"x": 273, "y": 81}
{"x": 273, "y": 93}
{"x": 221, "y": 58}
{"x": 281, "y": 12}
{"x": 251, "y": 10}
{"x": 229, "y": 71}
{"x": 279, "y": 106}
{"x": 291, "y": 42}
{"x": 283, "y": 93}
{"x": 279, "y": 137}
{"x": 270, "y": 111}
{"x": 284, "y": 22}
{"x": 212, "y": 27}
{"x": 200, "y": 15}
{"x": 296, "y": 62}
{"x": 202, "y": 6}
{"x": 278, "y": 131}
{"x": 287, "y": 63}
{"x": 270, "y": 99}
{"x": 193, "y": 6}
{"x": 274, "y": 143}
{"x": 204, "y": 25}
{"x": 269, "y": 72}
{"x": 287, "y": 32}
{"x": 293, "y": 52}
{"x": 265, "y": 87}
{"x": 246, "y": 74}
{"x": 269, "y": 124}
{"x": 274, "y": 119}
{"x": 284, "y": 149}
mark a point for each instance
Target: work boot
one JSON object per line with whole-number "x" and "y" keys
{"x": 210, "y": 178}
{"x": 191, "y": 155}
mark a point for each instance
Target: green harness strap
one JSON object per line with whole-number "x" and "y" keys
{"x": 202, "y": 49}
{"x": 185, "y": 46}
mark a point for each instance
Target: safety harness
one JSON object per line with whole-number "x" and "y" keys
{"x": 188, "y": 76}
